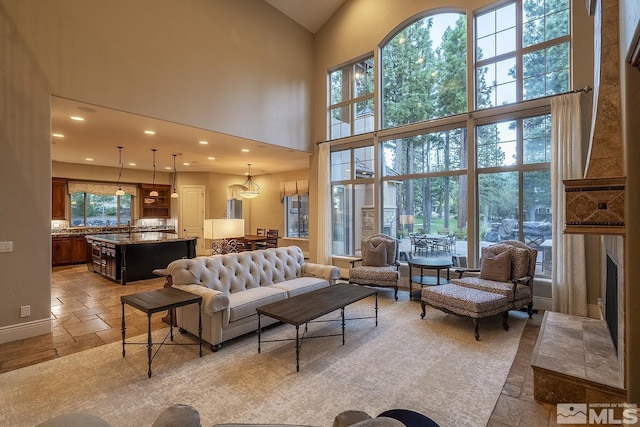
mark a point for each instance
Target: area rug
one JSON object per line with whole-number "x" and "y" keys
{"x": 432, "y": 365}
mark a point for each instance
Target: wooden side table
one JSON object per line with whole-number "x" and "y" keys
{"x": 428, "y": 263}
{"x": 156, "y": 301}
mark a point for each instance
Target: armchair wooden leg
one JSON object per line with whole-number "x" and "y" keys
{"x": 395, "y": 294}
{"x": 424, "y": 307}
{"x": 476, "y": 323}
{"x": 530, "y": 310}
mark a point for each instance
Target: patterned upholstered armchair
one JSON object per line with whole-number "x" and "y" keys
{"x": 507, "y": 268}
{"x": 379, "y": 263}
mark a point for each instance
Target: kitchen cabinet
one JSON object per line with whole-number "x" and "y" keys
{"x": 58, "y": 198}
{"x": 68, "y": 250}
{"x": 155, "y": 206}
{"x": 60, "y": 251}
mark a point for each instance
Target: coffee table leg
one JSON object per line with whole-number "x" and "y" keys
{"x": 259, "y": 333}
{"x": 297, "y": 348}
{"x": 149, "y": 342}
{"x": 376, "y": 309}
{"x": 124, "y": 328}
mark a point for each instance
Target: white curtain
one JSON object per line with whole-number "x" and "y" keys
{"x": 568, "y": 279}
{"x": 323, "y": 248}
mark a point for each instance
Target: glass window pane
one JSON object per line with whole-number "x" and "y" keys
{"x": 506, "y": 17}
{"x": 498, "y": 207}
{"x": 506, "y": 94}
{"x": 533, "y": 32}
{"x": 536, "y": 138}
{"x": 340, "y": 125}
{"x": 506, "y": 41}
{"x": 336, "y": 86}
{"x": 363, "y": 78}
{"x": 341, "y": 165}
{"x": 124, "y": 212}
{"x": 434, "y": 152}
{"x": 496, "y": 144}
{"x": 505, "y": 70}
{"x": 557, "y": 25}
{"x": 297, "y": 216}
{"x": 485, "y": 24}
{"x": 486, "y": 47}
{"x": 364, "y": 162}
{"x": 433, "y": 207}
{"x": 536, "y": 226}
{"x": 77, "y": 210}
{"x": 101, "y": 210}
{"x": 353, "y": 215}
{"x": 363, "y": 121}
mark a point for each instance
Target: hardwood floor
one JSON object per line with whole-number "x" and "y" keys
{"x": 86, "y": 312}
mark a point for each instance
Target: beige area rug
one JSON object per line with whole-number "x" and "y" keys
{"x": 433, "y": 366}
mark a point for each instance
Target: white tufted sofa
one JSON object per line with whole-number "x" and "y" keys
{"x": 233, "y": 285}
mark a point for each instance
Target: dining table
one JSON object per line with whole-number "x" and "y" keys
{"x": 252, "y": 240}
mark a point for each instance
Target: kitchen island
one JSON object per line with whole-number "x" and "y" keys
{"x": 126, "y": 257}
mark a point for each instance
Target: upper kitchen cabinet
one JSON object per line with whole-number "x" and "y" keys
{"x": 155, "y": 206}
{"x": 58, "y": 198}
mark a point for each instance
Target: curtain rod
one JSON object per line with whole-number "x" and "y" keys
{"x": 585, "y": 89}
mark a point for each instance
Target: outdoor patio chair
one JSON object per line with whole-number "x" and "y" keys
{"x": 379, "y": 263}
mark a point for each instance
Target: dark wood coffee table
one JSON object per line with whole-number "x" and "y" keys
{"x": 156, "y": 301}
{"x": 305, "y": 308}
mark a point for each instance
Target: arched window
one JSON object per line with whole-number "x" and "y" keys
{"x": 424, "y": 71}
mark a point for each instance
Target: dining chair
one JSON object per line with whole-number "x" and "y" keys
{"x": 272, "y": 238}
{"x": 261, "y": 231}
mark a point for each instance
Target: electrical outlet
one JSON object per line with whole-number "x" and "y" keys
{"x": 6, "y": 246}
{"x": 25, "y": 311}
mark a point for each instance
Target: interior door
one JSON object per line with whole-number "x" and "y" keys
{"x": 192, "y": 214}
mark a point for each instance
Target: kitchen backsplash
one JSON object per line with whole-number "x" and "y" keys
{"x": 62, "y": 227}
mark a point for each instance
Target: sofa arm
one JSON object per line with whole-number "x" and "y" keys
{"x": 212, "y": 300}
{"x": 328, "y": 272}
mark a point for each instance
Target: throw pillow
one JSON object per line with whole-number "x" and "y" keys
{"x": 495, "y": 266}
{"x": 374, "y": 255}
{"x": 519, "y": 263}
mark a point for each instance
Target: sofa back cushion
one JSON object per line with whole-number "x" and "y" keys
{"x": 236, "y": 272}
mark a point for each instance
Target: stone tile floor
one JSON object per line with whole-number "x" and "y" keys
{"x": 86, "y": 312}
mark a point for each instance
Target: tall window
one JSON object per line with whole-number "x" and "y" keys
{"x": 517, "y": 63}
{"x": 296, "y": 216}
{"x": 351, "y": 107}
{"x": 514, "y": 180}
{"x": 352, "y": 199}
{"x": 93, "y": 210}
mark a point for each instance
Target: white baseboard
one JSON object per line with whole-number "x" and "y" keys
{"x": 25, "y": 330}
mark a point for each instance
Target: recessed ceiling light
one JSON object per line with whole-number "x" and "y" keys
{"x": 168, "y": 167}
{"x": 204, "y": 142}
{"x": 149, "y": 132}
{"x": 186, "y": 164}
{"x": 77, "y": 118}
{"x": 211, "y": 158}
{"x": 57, "y": 135}
{"x": 88, "y": 159}
{"x": 131, "y": 164}
{"x": 245, "y": 150}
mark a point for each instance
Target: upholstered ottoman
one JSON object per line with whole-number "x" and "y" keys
{"x": 468, "y": 302}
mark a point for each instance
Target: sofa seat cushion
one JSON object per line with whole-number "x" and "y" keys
{"x": 380, "y": 276}
{"x": 243, "y": 304}
{"x": 301, "y": 285}
{"x": 465, "y": 301}
{"x": 503, "y": 288}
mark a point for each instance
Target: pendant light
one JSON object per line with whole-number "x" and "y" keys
{"x": 249, "y": 189}
{"x": 154, "y": 193}
{"x": 119, "y": 191}
{"x": 175, "y": 194}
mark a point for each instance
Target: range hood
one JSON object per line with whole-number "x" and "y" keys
{"x": 595, "y": 204}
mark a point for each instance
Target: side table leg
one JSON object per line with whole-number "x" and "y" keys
{"x": 200, "y": 325}
{"x": 124, "y": 328}
{"x": 149, "y": 342}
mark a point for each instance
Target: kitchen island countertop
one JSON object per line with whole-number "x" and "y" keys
{"x": 138, "y": 238}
